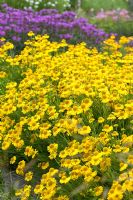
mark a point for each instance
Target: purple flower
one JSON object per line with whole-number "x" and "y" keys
{"x": 66, "y": 36}
{"x": 16, "y": 23}
{"x": 16, "y": 38}
{"x": 2, "y": 33}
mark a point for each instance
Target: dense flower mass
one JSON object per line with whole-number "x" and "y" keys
{"x": 66, "y": 118}
{"x": 15, "y": 24}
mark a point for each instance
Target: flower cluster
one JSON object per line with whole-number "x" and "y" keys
{"x": 50, "y": 4}
{"x": 54, "y": 3}
{"x": 66, "y": 118}
{"x": 115, "y": 15}
{"x": 33, "y": 3}
{"x": 15, "y": 24}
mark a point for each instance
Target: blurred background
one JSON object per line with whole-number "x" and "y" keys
{"x": 86, "y": 5}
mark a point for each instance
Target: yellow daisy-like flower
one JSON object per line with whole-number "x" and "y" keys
{"x": 30, "y": 34}
{"x": 130, "y": 159}
{"x": 12, "y": 160}
{"x": 98, "y": 190}
{"x": 123, "y": 166}
{"x": 84, "y": 130}
{"x": 28, "y": 176}
{"x": 2, "y": 74}
{"x": 101, "y": 120}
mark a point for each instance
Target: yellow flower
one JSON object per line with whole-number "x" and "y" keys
{"x": 38, "y": 188}
{"x": 123, "y": 176}
{"x": 84, "y": 130}
{"x": 130, "y": 159}
{"x": 86, "y": 103}
{"x": 2, "y": 74}
{"x": 18, "y": 143}
{"x": 20, "y": 167}
{"x": 62, "y": 197}
{"x": 123, "y": 166}
{"x": 43, "y": 165}
{"x": 12, "y": 160}
{"x": 107, "y": 128}
{"x": 53, "y": 171}
{"x": 33, "y": 125}
{"x": 111, "y": 117}
{"x": 1, "y": 136}
{"x": 75, "y": 110}
{"x": 19, "y": 192}
{"x": 64, "y": 179}
{"x": 105, "y": 164}
{"x": 114, "y": 133}
{"x": 69, "y": 163}
{"x": 98, "y": 190}
{"x": 117, "y": 148}
{"x": 30, "y": 34}
{"x": 2, "y": 39}
{"x": 28, "y": 176}
{"x": 96, "y": 159}
{"x": 52, "y": 149}
{"x": 101, "y": 120}
{"x": 24, "y": 193}
{"x": 130, "y": 173}
{"x": 6, "y": 145}
{"x": 65, "y": 105}
{"x": 107, "y": 151}
{"x": 44, "y": 134}
{"x": 91, "y": 120}
{"x": 29, "y": 151}
{"x": 123, "y": 40}
{"x": 56, "y": 130}
{"x": 89, "y": 176}
{"x": 128, "y": 185}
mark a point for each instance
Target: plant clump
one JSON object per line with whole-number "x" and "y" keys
{"x": 66, "y": 118}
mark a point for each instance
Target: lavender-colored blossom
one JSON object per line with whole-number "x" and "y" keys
{"x": 16, "y": 38}
{"x": 16, "y": 23}
{"x": 66, "y": 36}
{"x": 115, "y": 15}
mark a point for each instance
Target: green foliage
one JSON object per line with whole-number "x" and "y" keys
{"x": 120, "y": 27}
{"x": 15, "y": 3}
{"x": 61, "y": 5}
{"x": 106, "y": 5}
{"x": 130, "y": 5}
{"x": 74, "y": 4}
